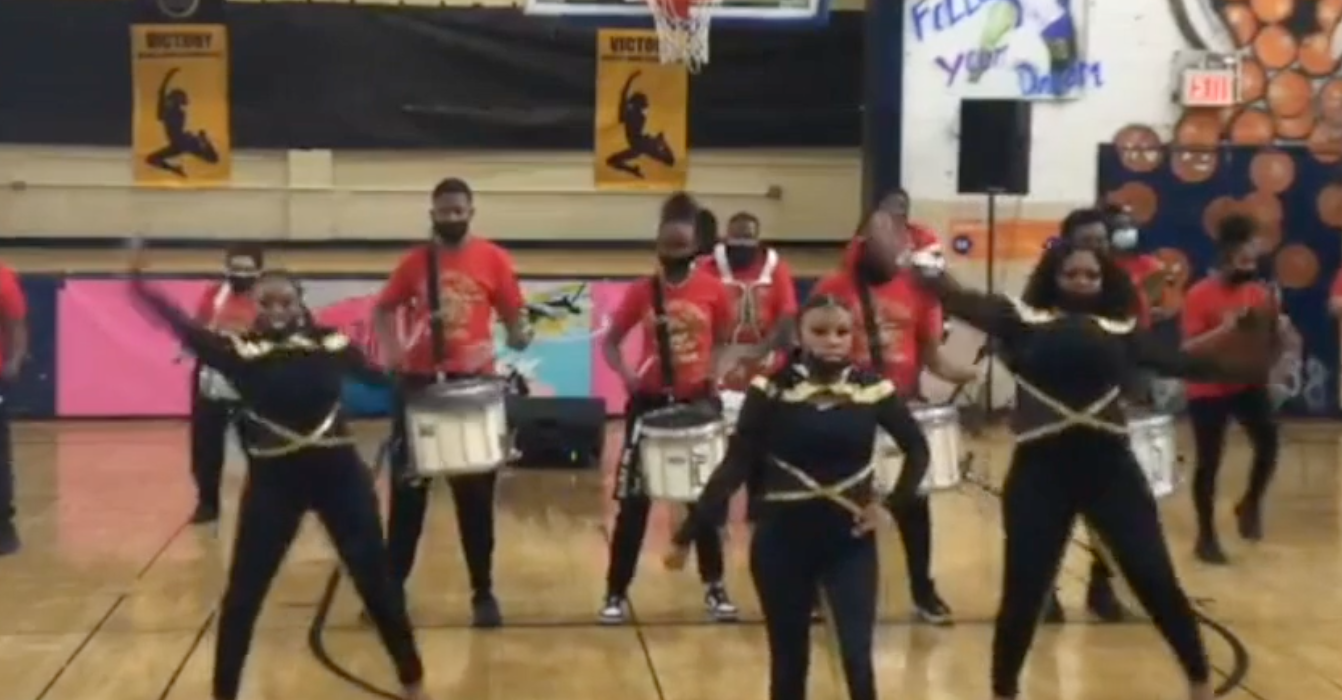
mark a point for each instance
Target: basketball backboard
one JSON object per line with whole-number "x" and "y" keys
{"x": 789, "y": 13}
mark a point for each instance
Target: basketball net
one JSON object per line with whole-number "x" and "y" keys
{"x": 682, "y": 30}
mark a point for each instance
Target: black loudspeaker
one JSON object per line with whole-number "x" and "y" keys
{"x": 994, "y": 147}
{"x": 557, "y": 433}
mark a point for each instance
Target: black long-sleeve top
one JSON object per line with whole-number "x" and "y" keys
{"x": 792, "y": 429}
{"x": 289, "y": 383}
{"x": 1070, "y": 368}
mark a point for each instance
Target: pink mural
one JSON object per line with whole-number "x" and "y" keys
{"x": 605, "y": 383}
{"x": 112, "y": 360}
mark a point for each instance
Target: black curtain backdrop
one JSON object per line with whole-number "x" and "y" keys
{"x": 322, "y": 76}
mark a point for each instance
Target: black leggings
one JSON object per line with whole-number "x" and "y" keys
{"x": 631, "y": 517}
{"x": 1051, "y": 482}
{"x": 472, "y": 496}
{"x": 795, "y": 552}
{"x": 1253, "y": 410}
{"x": 336, "y": 484}
{"x": 209, "y": 430}
{"x": 915, "y": 531}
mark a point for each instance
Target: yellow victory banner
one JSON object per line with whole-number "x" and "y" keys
{"x": 180, "y": 128}
{"x": 642, "y": 114}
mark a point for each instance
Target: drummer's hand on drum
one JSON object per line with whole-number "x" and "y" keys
{"x": 675, "y": 558}
{"x": 520, "y": 337}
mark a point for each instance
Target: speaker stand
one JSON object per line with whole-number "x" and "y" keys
{"x": 990, "y": 287}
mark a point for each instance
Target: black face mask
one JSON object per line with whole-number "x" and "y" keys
{"x": 451, "y": 232}
{"x": 241, "y": 284}
{"x": 1078, "y": 303}
{"x": 739, "y": 257}
{"x": 871, "y": 271}
{"x": 823, "y": 368}
{"x": 675, "y": 269}
{"x": 1236, "y": 277}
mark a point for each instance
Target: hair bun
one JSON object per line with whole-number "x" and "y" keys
{"x": 680, "y": 207}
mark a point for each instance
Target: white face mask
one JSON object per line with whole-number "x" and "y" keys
{"x": 1124, "y": 238}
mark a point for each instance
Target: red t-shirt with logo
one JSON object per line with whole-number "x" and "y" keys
{"x": 1141, "y": 268}
{"x": 907, "y": 316}
{"x": 224, "y": 310}
{"x": 13, "y": 304}
{"x": 757, "y": 306}
{"x": 1205, "y": 307}
{"x": 476, "y": 281}
{"x": 699, "y": 314}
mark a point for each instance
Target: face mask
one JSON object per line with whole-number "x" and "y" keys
{"x": 1125, "y": 239}
{"x": 739, "y": 257}
{"x": 675, "y": 269}
{"x": 241, "y": 284}
{"x": 451, "y": 232}
{"x": 872, "y": 271}
{"x": 1078, "y": 303}
{"x": 822, "y": 367}
{"x": 1237, "y": 277}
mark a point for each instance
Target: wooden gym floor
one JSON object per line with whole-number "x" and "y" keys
{"x": 114, "y": 599}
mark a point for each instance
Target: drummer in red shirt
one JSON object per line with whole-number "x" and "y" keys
{"x": 1148, "y": 274}
{"x": 13, "y": 353}
{"x": 911, "y": 325}
{"x": 477, "y": 283}
{"x": 226, "y": 306}
{"x": 763, "y": 297}
{"x": 699, "y": 317}
{"x": 1229, "y": 311}
{"x": 919, "y": 238}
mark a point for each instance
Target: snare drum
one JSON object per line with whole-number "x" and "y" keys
{"x": 1152, "y": 439}
{"x": 941, "y": 426}
{"x": 213, "y": 386}
{"x": 731, "y": 408}
{"x": 458, "y": 428}
{"x": 678, "y": 449}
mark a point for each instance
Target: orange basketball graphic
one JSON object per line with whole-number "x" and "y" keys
{"x": 1139, "y": 148}
{"x": 1316, "y": 55}
{"x": 1289, "y": 94}
{"x": 1295, "y": 128}
{"x": 1217, "y": 210}
{"x": 1329, "y": 205}
{"x": 1137, "y": 196}
{"x": 1271, "y": 11}
{"x": 1296, "y": 267}
{"x": 1272, "y": 171}
{"x": 1274, "y": 47}
{"x": 1242, "y": 22}
{"x": 1253, "y": 127}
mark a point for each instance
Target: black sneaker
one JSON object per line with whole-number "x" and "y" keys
{"x": 720, "y": 607}
{"x": 614, "y": 611}
{"x": 931, "y": 609}
{"x": 1053, "y": 613}
{"x": 1208, "y": 550}
{"x": 1249, "y": 517}
{"x": 485, "y": 611}
{"x": 1103, "y": 602}
{"x": 9, "y": 539}
{"x": 205, "y": 514}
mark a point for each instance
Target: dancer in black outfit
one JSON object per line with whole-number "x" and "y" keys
{"x": 288, "y": 374}
{"x": 805, "y": 439}
{"x": 1073, "y": 341}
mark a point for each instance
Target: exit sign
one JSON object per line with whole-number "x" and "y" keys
{"x": 1209, "y": 87}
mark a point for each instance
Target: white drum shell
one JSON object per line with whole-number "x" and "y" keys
{"x": 458, "y": 428}
{"x": 212, "y": 385}
{"x": 731, "y": 408}
{"x": 1153, "y": 443}
{"x": 941, "y": 426}
{"x": 677, "y": 462}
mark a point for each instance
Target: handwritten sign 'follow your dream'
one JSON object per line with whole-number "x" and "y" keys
{"x": 1007, "y": 49}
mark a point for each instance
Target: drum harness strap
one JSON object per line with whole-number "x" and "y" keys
{"x": 434, "y": 298}
{"x": 813, "y": 490}
{"x": 1085, "y": 417}
{"x": 662, "y": 331}
{"x": 296, "y": 441}
{"x": 747, "y": 312}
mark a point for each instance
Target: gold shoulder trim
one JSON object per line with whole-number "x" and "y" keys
{"x": 1109, "y": 325}
{"x": 763, "y": 383}
{"x": 1030, "y": 314}
{"x": 335, "y": 342}
{"x": 853, "y": 392}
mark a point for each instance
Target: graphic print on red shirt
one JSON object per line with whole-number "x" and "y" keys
{"x": 476, "y": 281}
{"x": 761, "y": 296}
{"x": 907, "y": 317}
{"x": 698, "y": 314}
{"x": 222, "y": 309}
{"x": 1205, "y": 307}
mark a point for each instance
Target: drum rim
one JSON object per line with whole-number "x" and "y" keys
{"x": 695, "y": 431}
{"x": 1154, "y": 420}
{"x": 939, "y": 410}
{"x": 473, "y": 388}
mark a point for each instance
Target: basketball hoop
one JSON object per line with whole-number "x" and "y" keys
{"x": 682, "y": 30}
